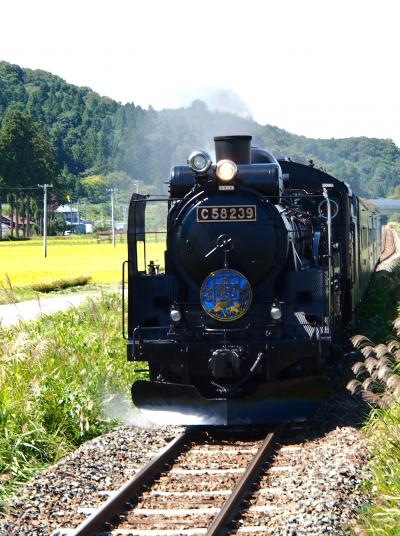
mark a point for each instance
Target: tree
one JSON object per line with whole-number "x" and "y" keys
{"x": 95, "y": 188}
{"x": 27, "y": 159}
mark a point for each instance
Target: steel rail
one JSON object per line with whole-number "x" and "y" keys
{"x": 113, "y": 505}
{"x": 220, "y": 524}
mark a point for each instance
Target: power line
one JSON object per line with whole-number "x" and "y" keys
{"x": 18, "y": 188}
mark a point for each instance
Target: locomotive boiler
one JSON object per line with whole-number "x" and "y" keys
{"x": 264, "y": 262}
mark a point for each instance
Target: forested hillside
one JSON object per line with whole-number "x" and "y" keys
{"x": 94, "y": 135}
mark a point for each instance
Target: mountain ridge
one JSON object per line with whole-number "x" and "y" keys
{"x": 96, "y": 134}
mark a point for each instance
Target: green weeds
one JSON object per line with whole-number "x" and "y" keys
{"x": 378, "y": 382}
{"x": 382, "y": 517}
{"x": 56, "y": 376}
{"x": 16, "y": 296}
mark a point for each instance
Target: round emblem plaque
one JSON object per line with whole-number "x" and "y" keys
{"x": 225, "y": 295}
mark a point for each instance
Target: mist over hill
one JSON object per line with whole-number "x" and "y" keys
{"x": 92, "y": 134}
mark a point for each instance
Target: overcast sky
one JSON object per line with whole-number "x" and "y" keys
{"x": 321, "y": 68}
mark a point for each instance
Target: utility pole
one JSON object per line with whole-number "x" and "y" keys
{"x": 112, "y": 216}
{"x": 78, "y": 207}
{"x": 45, "y": 186}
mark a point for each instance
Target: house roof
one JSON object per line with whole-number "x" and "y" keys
{"x": 66, "y": 209}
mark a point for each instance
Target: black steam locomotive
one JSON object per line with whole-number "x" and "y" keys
{"x": 265, "y": 261}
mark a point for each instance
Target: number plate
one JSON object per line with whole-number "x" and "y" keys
{"x": 230, "y": 213}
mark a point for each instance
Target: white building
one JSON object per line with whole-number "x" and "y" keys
{"x": 69, "y": 213}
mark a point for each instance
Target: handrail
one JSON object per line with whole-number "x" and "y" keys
{"x": 123, "y": 300}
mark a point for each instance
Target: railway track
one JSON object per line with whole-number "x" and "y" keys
{"x": 195, "y": 485}
{"x": 389, "y": 245}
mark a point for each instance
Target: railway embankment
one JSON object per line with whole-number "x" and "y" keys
{"x": 377, "y": 381}
{"x": 314, "y": 485}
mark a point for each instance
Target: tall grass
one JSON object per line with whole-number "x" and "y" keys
{"x": 378, "y": 382}
{"x": 55, "y": 378}
{"x": 382, "y": 516}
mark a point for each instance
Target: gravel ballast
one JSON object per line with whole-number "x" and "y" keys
{"x": 82, "y": 480}
{"x": 320, "y": 470}
{"x": 319, "y": 491}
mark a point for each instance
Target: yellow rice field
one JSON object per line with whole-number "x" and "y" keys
{"x": 67, "y": 257}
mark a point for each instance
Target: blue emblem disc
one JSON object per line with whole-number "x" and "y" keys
{"x": 225, "y": 295}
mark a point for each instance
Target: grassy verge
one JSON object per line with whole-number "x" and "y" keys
{"x": 382, "y": 516}
{"x": 378, "y": 382}
{"x": 9, "y": 294}
{"x": 56, "y": 378}
{"x": 16, "y": 295}
{"x": 22, "y": 294}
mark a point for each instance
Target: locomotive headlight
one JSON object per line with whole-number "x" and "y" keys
{"x": 276, "y": 311}
{"x": 199, "y": 161}
{"x": 175, "y": 314}
{"x": 226, "y": 170}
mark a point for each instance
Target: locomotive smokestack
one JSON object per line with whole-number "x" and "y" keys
{"x": 235, "y": 148}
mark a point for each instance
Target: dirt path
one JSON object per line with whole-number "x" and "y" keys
{"x": 14, "y": 313}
